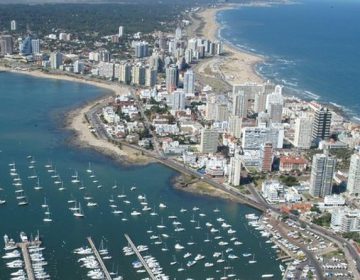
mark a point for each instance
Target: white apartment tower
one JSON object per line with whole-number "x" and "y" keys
{"x": 239, "y": 106}
{"x": 189, "y": 82}
{"x": 353, "y": 184}
{"x": 121, "y": 31}
{"x": 13, "y": 25}
{"x": 172, "y": 78}
{"x": 178, "y": 100}
{"x": 235, "y": 123}
{"x": 209, "y": 140}
{"x": 303, "y": 132}
{"x": 322, "y": 172}
{"x": 235, "y": 170}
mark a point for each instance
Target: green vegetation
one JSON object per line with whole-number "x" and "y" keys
{"x": 323, "y": 220}
{"x": 343, "y": 157}
{"x": 315, "y": 209}
{"x": 100, "y": 20}
{"x": 288, "y": 180}
{"x": 352, "y": 235}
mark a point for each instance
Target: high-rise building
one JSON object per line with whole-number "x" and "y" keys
{"x": 221, "y": 112}
{"x": 178, "y": 33}
{"x": 55, "y": 60}
{"x": 235, "y": 170}
{"x": 267, "y": 157}
{"x": 321, "y": 126}
{"x": 104, "y": 55}
{"x": 121, "y": 31}
{"x": 235, "y": 123}
{"x": 141, "y": 49}
{"x": 274, "y": 104}
{"x": 125, "y": 70}
{"x": 13, "y": 25}
{"x": 35, "y": 46}
{"x": 172, "y": 78}
{"x": 303, "y": 132}
{"x": 322, "y": 172}
{"x": 254, "y": 137}
{"x": 6, "y": 44}
{"x": 78, "y": 66}
{"x": 189, "y": 82}
{"x": 178, "y": 100}
{"x": 150, "y": 77}
{"x": 138, "y": 74}
{"x": 188, "y": 56}
{"x": 353, "y": 184}
{"x": 239, "y": 105}
{"x": 106, "y": 70}
{"x": 209, "y": 140}
{"x": 26, "y": 46}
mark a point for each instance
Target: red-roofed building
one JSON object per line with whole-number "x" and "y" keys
{"x": 289, "y": 163}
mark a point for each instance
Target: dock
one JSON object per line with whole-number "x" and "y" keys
{"x": 141, "y": 259}
{"x": 24, "y": 246}
{"x": 99, "y": 259}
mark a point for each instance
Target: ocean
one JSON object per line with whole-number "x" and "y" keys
{"x": 32, "y": 113}
{"x": 311, "y": 47}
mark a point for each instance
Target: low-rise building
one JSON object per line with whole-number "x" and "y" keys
{"x": 290, "y": 163}
{"x": 345, "y": 220}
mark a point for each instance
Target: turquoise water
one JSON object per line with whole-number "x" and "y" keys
{"x": 312, "y": 47}
{"x": 31, "y": 121}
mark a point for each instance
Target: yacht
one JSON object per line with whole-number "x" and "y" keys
{"x": 208, "y": 264}
{"x": 162, "y": 205}
{"x": 187, "y": 255}
{"x": 178, "y": 246}
{"x": 135, "y": 213}
{"x": 267, "y": 276}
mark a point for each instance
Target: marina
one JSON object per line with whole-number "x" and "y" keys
{"x": 99, "y": 259}
{"x": 159, "y": 204}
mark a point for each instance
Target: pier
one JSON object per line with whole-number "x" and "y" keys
{"x": 24, "y": 246}
{"x": 99, "y": 259}
{"x": 141, "y": 259}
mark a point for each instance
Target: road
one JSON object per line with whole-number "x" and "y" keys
{"x": 256, "y": 202}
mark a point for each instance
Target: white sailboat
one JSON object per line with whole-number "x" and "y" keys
{"x": 253, "y": 260}
{"x": 47, "y": 218}
{"x": 78, "y": 213}
{"x": 75, "y": 178}
{"x": 37, "y": 187}
{"x": 44, "y": 205}
{"x": 89, "y": 170}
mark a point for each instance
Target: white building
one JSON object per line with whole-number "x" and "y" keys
{"x": 274, "y": 104}
{"x": 13, "y": 25}
{"x": 121, "y": 31}
{"x": 178, "y": 100}
{"x": 55, "y": 60}
{"x": 235, "y": 123}
{"x": 78, "y": 66}
{"x": 322, "y": 172}
{"x": 345, "y": 220}
{"x": 272, "y": 191}
{"x": 239, "y": 103}
{"x": 110, "y": 116}
{"x": 235, "y": 170}
{"x": 353, "y": 184}
{"x": 303, "y": 132}
{"x": 209, "y": 140}
{"x": 106, "y": 70}
{"x": 189, "y": 83}
{"x": 254, "y": 137}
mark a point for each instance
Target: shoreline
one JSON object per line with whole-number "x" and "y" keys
{"x": 246, "y": 62}
{"x": 76, "y": 122}
{"x": 236, "y": 66}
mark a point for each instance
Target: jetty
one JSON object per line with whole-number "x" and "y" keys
{"x": 141, "y": 259}
{"x": 99, "y": 259}
{"x": 24, "y": 246}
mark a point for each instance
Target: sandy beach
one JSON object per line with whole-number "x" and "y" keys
{"x": 77, "y": 122}
{"x": 236, "y": 67}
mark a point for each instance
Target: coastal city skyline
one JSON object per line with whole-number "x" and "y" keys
{"x": 261, "y": 173}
